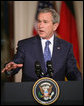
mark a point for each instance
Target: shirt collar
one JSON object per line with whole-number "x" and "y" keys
{"x": 51, "y": 39}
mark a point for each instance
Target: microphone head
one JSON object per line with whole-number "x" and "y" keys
{"x": 50, "y": 68}
{"x": 49, "y": 64}
{"x": 37, "y": 65}
{"x": 38, "y": 69}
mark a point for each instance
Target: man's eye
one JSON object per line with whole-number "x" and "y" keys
{"x": 38, "y": 21}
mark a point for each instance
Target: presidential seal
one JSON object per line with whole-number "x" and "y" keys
{"x": 45, "y": 91}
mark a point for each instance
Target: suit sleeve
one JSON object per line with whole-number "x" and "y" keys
{"x": 18, "y": 57}
{"x": 72, "y": 72}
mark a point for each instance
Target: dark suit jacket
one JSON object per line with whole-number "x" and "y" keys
{"x": 64, "y": 64}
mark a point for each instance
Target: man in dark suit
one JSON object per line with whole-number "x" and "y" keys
{"x": 33, "y": 49}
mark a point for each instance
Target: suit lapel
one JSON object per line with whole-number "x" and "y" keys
{"x": 56, "y": 52}
{"x": 39, "y": 52}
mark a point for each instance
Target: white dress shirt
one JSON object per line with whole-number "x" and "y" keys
{"x": 50, "y": 45}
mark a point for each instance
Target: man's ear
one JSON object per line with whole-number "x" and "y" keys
{"x": 55, "y": 26}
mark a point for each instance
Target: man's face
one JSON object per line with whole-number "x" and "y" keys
{"x": 45, "y": 25}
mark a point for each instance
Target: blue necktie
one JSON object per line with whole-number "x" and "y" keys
{"x": 47, "y": 53}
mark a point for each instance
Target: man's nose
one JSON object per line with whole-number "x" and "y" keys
{"x": 41, "y": 25}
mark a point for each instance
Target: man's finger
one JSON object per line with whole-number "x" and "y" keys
{"x": 3, "y": 70}
{"x": 19, "y": 65}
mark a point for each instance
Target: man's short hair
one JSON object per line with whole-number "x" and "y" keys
{"x": 55, "y": 15}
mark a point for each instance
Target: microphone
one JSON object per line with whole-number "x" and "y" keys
{"x": 50, "y": 68}
{"x": 38, "y": 69}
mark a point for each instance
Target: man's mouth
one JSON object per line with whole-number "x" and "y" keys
{"x": 41, "y": 31}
